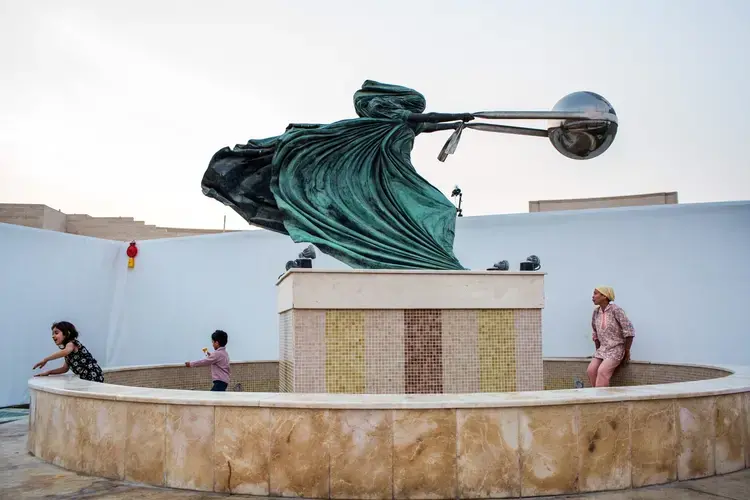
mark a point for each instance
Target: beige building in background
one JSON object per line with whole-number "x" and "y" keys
{"x": 108, "y": 228}
{"x": 128, "y": 229}
{"x": 636, "y": 200}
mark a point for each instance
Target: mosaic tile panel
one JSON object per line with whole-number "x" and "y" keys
{"x": 345, "y": 351}
{"x": 423, "y": 351}
{"x": 497, "y": 350}
{"x": 309, "y": 359}
{"x": 460, "y": 351}
{"x": 529, "y": 369}
{"x": 412, "y": 351}
{"x": 286, "y": 351}
{"x": 384, "y": 352}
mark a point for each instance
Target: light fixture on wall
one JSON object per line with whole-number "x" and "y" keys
{"x": 532, "y": 263}
{"x": 499, "y": 266}
{"x": 305, "y": 259}
{"x": 457, "y": 192}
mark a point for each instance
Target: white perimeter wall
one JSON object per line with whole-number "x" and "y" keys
{"x": 182, "y": 289}
{"x": 46, "y": 276}
{"x": 681, "y": 272}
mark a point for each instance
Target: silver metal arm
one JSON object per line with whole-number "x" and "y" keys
{"x": 547, "y": 115}
{"x": 531, "y": 115}
{"x": 507, "y": 129}
{"x": 581, "y": 126}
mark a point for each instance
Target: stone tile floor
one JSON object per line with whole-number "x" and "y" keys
{"x": 22, "y": 476}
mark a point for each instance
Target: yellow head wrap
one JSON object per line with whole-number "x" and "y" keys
{"x": 607, "y": 291}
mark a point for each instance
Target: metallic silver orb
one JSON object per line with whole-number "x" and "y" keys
{"x": 589, "y": 135}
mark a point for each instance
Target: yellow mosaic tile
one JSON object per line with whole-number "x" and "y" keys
{"x": 497, "y": 350}
{"x": 345, "y": 351}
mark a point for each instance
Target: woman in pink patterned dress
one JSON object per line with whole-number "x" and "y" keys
{"x": 613, "y": 335}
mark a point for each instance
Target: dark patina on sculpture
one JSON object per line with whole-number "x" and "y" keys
{"x": 349, "y": 187}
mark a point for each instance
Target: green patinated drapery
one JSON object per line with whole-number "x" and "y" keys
{"x": 347, "y": 187}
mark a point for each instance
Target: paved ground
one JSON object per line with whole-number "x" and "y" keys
{"x": 22, "y": 476}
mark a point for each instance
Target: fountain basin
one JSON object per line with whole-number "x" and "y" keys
{"x": 472, "y": 445}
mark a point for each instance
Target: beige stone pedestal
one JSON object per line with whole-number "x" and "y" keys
{"x": 408, "y": 332}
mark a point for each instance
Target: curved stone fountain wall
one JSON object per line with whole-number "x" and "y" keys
{"x": 415, "y": 446}
{"x": 263, "y": 376}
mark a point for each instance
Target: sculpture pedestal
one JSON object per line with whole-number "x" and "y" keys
{"x": 410, "y": 332}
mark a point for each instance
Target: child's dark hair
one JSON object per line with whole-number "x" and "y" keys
{"x": 68, "y": 330}
{"x": 221, "y": 337}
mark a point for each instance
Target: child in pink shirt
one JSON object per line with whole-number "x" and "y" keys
{"x": 218, "y": 360}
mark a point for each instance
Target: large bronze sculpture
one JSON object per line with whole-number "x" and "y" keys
{"x": 350, "y": 189}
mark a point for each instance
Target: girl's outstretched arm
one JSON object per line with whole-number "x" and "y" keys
{"x": 60, "y": 354}
{"x": 57, "y": 371}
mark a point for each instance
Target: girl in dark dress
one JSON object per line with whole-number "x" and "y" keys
{"x": 77, "y": 357}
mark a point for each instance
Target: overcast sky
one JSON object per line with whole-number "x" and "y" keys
{"x": 114, "y": 108}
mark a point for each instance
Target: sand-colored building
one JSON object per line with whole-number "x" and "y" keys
{"x": 127, "y": 228}
{"x": 109, "y": 228}
{"x": 636, "y": 200}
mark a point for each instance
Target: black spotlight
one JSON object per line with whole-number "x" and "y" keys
{"x": 304, "y": 261}
{"x": 532, "y": 264}
{"x": 499, "y": 266}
